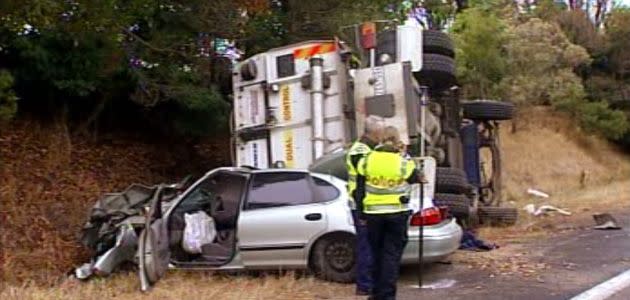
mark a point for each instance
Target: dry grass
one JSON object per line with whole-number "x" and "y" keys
{"x": 548, "y": 152}
{"x": 188, "y": 285}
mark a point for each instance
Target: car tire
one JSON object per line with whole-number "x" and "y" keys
{"x": 437, "y": 73}
{"x": 437, "y": 42}
{"x": 458, "y": 204}
{"x": 333, "y": 258}
{"x": 494, "y": 215}
{"x": 451, "y": 180}
{"x": 488, "y": 110}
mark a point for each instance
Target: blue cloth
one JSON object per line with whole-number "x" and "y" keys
{"x": 363, "y": 256}
{"x": 472, "y": 243}
{"x": 388, "y": 236}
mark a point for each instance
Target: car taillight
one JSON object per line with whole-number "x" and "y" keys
{"x": 429, "y": 216}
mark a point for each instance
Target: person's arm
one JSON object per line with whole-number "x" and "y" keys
{"x": 359, "y": 191}
{"x": 416, "y": 177}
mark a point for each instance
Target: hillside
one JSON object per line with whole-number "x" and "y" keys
{"x": 548, "y": 152}
{"x": 49, "y": 180}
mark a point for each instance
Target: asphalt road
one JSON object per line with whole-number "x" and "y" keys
{"x": 623, "y": 295}
{"x": 577, "y": 260}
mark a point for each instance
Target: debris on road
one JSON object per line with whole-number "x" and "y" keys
{"x": 440, "y": 284}
{"x": 605, "y": 221}
{"x": 544, "y": 210}
{"x": 537, "y": 193}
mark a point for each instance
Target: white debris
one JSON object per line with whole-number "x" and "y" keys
{"x": 537, "y": 193}
{"x": 544, "y": 209}
{"x": 440, "y": 284}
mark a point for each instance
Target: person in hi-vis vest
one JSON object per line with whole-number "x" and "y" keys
{"x": 363, "y": 146}
{"x": 384, "y": 207}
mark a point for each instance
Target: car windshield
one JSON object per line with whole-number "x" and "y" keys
{"x": 204, "y": 195}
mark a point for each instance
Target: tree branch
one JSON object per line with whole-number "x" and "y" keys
{"x": 152, "y": 47}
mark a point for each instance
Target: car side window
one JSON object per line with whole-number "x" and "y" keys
{"x": 279, "y": 189}
{"x": 324, "y": 191}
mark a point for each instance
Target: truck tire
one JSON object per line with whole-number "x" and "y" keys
{"x": 437, "y": 42}
{"x": 437, "y": 73}
{"x": 458, "y": 204}
{"x": 333, "y": 258}
{"x": 488, "y": 110}
{"x": 494, "y": 215}
{"x": 451, "y": 180}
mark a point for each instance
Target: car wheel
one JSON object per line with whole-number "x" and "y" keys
{"x": 451, "y": 180}
{"x": 333, "y": 258}
{"x": 488, "y": 110}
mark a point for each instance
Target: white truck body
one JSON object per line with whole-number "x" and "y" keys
{"x": 275, "y": 104}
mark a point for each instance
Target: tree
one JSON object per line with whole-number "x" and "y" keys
{"x": 8, "y": 100}
{"x": 479, "y": 37}
{"x": 581, "y": 31}
{"x": 541, "y": 61}
{"x": 84, "y": 55}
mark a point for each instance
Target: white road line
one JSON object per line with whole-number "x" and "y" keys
{"x": 606, "y": 288}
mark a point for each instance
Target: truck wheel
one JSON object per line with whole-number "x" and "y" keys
{"x": 488, "y": 110}
{"x": 437, "y": 73}
{"x": 451, "y": 180}
{"x": 437, "y": 42}
{"x": 458, "y": 205}
{"x": 494, "y": 215}
{"x": 333, "y": 258}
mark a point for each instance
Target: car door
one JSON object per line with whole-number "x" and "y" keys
{"x": 279, "y": 218}
{"x": 153, "y": 251}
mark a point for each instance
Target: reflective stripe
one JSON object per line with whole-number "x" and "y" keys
{"x": 352, "y": 177}
{"x": 401, "y": 190}
{"x": 403, "y": 167}
{"x": 385, "y": 208}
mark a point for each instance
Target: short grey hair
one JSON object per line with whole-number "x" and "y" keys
{"x": 374, "y": 124}
{"x": 391, "y": 135}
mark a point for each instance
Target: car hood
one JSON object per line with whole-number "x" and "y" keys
{"x": 332, "y": 164}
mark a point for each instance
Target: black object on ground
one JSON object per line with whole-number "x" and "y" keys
{"x": 605, "y": 221}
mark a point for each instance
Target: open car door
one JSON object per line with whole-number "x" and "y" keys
{"x": 153, "y": 252}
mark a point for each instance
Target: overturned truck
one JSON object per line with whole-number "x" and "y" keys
{"x": 301, "y": 105}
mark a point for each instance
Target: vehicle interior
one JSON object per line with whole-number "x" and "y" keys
{"x": 219, "y": 196}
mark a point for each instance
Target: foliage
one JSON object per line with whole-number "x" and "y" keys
{"x": 541, "y": 60}
{"x": 618, "y": 33}
{"x": 479, "y": 36}
{"x": 8, "y": 100}
{"x": 581, "y": 31}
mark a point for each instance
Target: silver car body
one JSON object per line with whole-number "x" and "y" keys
{"x": 284, "y": 237}
{"x": 280, "y": 237}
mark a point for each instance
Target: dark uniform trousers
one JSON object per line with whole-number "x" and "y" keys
{"x": 387, "y": 234}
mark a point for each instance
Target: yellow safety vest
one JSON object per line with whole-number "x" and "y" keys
{"x": 386, "y": 176}
{"x": 357, "y": 148}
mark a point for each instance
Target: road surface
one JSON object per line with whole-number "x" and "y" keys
{"x": 576, "y": 261}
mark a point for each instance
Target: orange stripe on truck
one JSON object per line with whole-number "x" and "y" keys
{"x": 308, "y": 52}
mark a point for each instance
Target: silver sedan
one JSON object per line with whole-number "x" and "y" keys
{"x": 274, "y": 219}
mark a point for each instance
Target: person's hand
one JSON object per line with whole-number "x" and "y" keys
{"x": 361, "y": 218}
{"x": 422, "y": 179}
